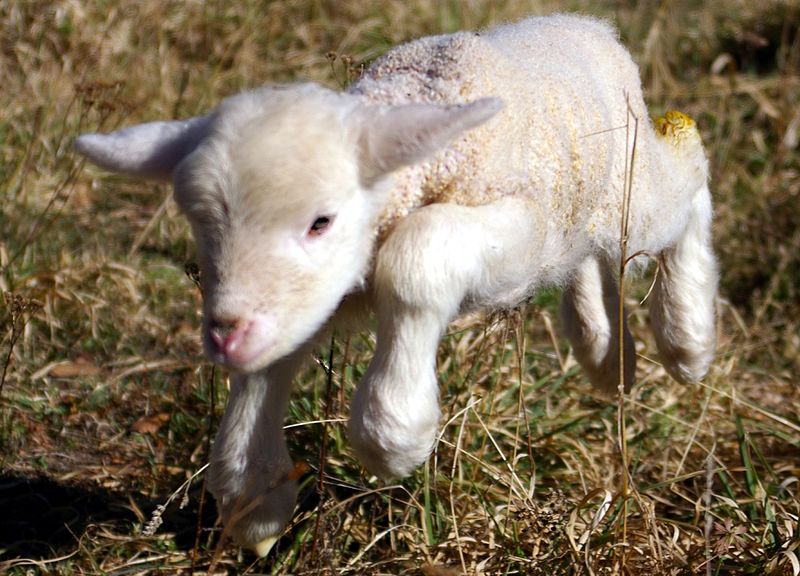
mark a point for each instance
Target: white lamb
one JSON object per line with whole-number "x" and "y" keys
{"x": 460, "y": 172}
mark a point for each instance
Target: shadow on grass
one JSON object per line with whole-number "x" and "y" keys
{"x": 41, "y": 518}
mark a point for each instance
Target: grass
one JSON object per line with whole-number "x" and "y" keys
{"x": 107, "y": 408}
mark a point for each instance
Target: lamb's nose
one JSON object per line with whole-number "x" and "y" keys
{"x": 227, "y": 333}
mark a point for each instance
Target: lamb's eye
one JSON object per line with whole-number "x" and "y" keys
{"x": 320, "y": 225}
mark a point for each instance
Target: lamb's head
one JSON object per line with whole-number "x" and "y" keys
{"x": 282, "y": 221}
{"x": 283, "y": 187}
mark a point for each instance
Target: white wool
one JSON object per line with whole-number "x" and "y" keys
{"x": 462, "y": 171}
{"x": 566, "y": 83}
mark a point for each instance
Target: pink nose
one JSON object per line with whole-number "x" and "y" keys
{"x": 227, "y": 334}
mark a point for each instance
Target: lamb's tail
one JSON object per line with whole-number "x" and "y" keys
{"x": 680, "y": 131}
{"x": 678, "y": 128}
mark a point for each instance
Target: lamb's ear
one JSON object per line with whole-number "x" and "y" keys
{"x": 397, "y": 136}
{"x": 149, "y": 150}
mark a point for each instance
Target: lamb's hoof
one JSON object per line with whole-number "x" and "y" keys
{"x": 262, "y": 548}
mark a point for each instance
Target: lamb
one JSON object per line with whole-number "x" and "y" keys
{"x": 461, "y": 172}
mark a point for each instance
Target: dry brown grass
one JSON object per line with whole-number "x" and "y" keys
{"x": 107, "y": 408}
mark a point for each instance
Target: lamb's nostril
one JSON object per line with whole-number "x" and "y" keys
{"x": 235, "y": 341}
{"x": 221, "y": 330}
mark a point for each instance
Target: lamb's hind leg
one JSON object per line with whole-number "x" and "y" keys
{"x": 683, "y": 298}
{"x": 437, "y": 257}
{"x": 590, "y": 320}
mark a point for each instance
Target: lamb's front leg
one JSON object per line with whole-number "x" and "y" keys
{"x": 436, "y": 259}
{"x": 251, "y": 473}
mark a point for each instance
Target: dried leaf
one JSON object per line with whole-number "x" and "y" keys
{"x": 439, "y": 570}
{"x": 71, "y": 369}
{"x": 150, "y": 424}
{"x": 300, "y": 469}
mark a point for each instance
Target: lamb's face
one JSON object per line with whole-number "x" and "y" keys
{"x": 284, "y": 229}
{"x": 283, "y": 187}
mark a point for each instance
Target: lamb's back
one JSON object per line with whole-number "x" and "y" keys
{"x": 567, "y": 84}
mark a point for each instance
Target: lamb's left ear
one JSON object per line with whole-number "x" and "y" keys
{"x": 397, "y": 136}
{"x": 149, "y": 150}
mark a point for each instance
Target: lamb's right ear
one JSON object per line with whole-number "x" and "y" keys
{"x": 396, "y": 136}
{"x": 149, "y": 150}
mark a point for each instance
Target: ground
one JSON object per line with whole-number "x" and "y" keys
{"x": 107, "y": 408}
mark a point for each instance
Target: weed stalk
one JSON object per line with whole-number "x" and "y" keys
{"x": 630, "y": 159}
